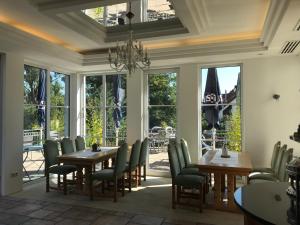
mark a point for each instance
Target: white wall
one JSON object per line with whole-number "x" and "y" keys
{"x": 12, "y": 124}
{"x": 135, "y": 118}
{"x": 188, "y": 103}
{"x": 266, "y": 120}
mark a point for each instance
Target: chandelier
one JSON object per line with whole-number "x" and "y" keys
{"x": 131, "y": 55}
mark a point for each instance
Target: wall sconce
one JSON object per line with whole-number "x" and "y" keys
{"x": 276, "y": 97}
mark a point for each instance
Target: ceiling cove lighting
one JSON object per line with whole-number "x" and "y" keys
{"x": 131, "y": 55}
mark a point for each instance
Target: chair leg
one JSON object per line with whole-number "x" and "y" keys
{"x": 178, "y": 193}
{"x": 115, "y": 189}
{"x": 47, "y": 182}
{"x": 200, "y": 197}
{"x": 129, "y": 180}
{"x": 140, "y": 174}
{"x": 123, "y": 186}
{"x": 136, "y": 178}
{"x": 65, "y": 183}
{"x": 144, "y": 174}
{"x": 58, "y": 181}
{"x": 173, "y": 196}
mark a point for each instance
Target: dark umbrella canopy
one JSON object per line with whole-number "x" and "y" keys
{"x": 212, "y": 95}
{"x": 118, "y": 96}
{"x": 41, "y": 98}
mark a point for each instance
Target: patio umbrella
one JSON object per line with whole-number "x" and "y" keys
{"x": 41, "y": 98}
{"x": 212, "y": 95}
{"x": 118, "y": 98}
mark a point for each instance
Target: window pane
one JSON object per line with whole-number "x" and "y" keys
{"x": 227, "y": 112}
{"x": 112, "y": 137}
{"x": 59, "y": 122}
{"x": 93, "y": 92}
{"x": 94, "y": 126}
{"x": 31, "y": 82}
{"x": 31, "y": 118}
{"x": 162, "y": 116}
{"x": 110, "y": 96}
{"x": 59, "y": 89}
{"x": 162, "y": 89}
{"x": 158, "y": 10}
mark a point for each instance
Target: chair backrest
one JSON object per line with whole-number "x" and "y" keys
{"x": 185, "y": 151}
{"x": 50, "y": 152}
{"x": 173, "y": 159}
{"x": 121, "y": 158}
{"x": 66, "y": 146}
{"x": 275, "y": 154}
{"x": 144, "y": 152}
{"x": 79, "y": 143}
{"x": 134, "y": 155}
{"x": 180, "y": 155}
{"x": 286, "y": 158}
{"x": 279, "y": 159}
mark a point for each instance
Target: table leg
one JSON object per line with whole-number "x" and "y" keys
{"x": 218, "y": 191}
{"x": 230, "y": 191}
{"x": 88, "y": 172}
{"x": 79, "y": 178}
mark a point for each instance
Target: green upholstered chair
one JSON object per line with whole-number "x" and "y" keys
{"x": 114, "y": 174}
{"x": 266, "y": 176}
{"x": 79, "y": 143}
{"x": 279, "y": 174}
{"x": 181, "y": 182}
{"x": 132, "y": 165}
{"x": 142, "y": 160}
{"x": 66, "y": 146}
{"x": 185, "y": 166}
{"x": 51, "y": 164}
{"x": 273, "y": 161}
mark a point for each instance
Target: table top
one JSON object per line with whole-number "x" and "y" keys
{"x": 88, "y": 154}
{"x": 266, "y": 202}
{"x": 238, "y": 161}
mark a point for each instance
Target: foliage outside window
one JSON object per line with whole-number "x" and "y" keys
{"x": 99, "y": 108}
{"x": 60, "y": 105}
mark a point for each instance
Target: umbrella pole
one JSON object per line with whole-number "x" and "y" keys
{"x": 117, "y": 136}
{"x": 213, "y": 138}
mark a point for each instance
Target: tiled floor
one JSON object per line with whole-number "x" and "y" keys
{"x": 146, "y": 205}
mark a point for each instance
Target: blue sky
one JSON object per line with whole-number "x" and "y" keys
{"x": 228, "y": 77}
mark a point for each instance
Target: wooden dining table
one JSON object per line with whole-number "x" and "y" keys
{"x": 87, "y": 159}
{"x": 238, "y": 164}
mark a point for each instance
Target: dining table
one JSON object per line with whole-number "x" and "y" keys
{"x": 87, "y": 159}
{"x": 236, "y": 164}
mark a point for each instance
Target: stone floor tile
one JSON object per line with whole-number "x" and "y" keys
{"x": 111, "y": 220}
{"x": 73, "y": 222}
{"x": 38, "y": 222}
{"x": 57, "y": 207}
{"x": 24, "y": 209}
{"x": 11, "y": 219}
{"x": 41, "y": 213}
{"x": 147, "y": 220}
{"x": 76, "y": 213}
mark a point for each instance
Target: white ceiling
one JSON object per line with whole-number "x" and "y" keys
{"x": 55, "y": 33}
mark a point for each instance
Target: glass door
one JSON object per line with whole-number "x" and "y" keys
{"x": 161, "y": 119}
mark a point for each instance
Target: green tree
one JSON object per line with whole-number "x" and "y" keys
{"x": 162, "y": 99}
{"x": 233, "y": 134}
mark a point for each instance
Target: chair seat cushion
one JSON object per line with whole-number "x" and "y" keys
{"x": 106, "y": 174}
{"x": 263, "y": 176}
{"x": 262, "y": 170}
{"x": 189, "y": 180}
{"x": 192, "y": 171}
{"x": 62, "y": 169}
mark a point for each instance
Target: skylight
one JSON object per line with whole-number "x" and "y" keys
{"x": 114, "y": 14}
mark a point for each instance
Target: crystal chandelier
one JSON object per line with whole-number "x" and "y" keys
{"x": 131, "y": 55}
